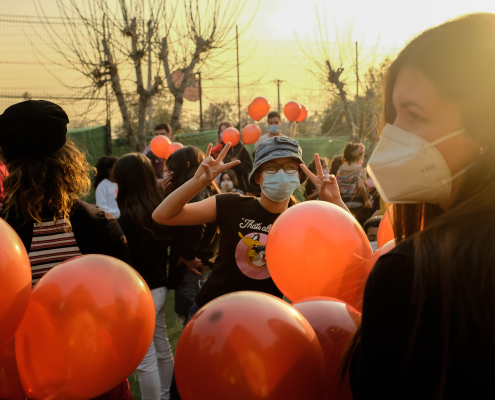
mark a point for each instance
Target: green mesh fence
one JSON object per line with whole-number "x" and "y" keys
{"x": 92, "y": 141}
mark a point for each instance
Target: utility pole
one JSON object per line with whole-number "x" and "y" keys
{"x": 200, "y": 103}
{"x": 357, "y": 92}
{"x": 150, "y": 105}
{"x": 238, "y": 78}
{"x": 108, "y": 129}
{"x": 278, "y": 93}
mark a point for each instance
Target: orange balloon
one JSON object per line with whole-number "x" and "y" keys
{"x": 248, "y": 346}
{"x": 88, "y": 325}
{"x": 292, "y": 110}
{"x": 10, "y": 383}
{"x": 173, "y": 147}
{"x": 159, "y": 145}
{"x": 385, "y": 230}
{"x": 303, "y": 114}
{"x": 324, "y": 256}
{"x": 258, "y": 108}
{"x": 357, "y": 302}
{"x": 15, "y": 283}
{"x": 231, "y": 135}
{"x": 334, "y": 323}
{"x": 251, "y": 133}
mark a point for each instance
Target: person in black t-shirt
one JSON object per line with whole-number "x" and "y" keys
{"x": 244, "y": 222}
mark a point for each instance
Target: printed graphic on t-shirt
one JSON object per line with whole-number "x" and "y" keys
{"x": 250, "y": 255}
{"x": 115, "y": 193}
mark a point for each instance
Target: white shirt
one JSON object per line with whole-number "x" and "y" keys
{"x": 106, "y": 193}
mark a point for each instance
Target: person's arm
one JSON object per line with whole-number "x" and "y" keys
{"x": 326, "y": 185}
{"x": 174, "y": 210}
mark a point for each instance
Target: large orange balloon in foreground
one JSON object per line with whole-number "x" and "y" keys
{"x": 172, "y": 148}
{"x": 385, "y": 229}
{"x": 248, "y": 346}
{"x": 303, "y": 114}
{"x": 231, "y": 135}
{"x": 251, "y": 133}
{"x": 159, "y": 145}
{"x": 334, "y": 322}
{"x": 15, "y": 283}
{"x": 317, "y": 249}
{"x": 258, "y": 108}
{"x": 357, "y": 302}
{"x": 292, "y": 110}
{"x": 88, "y": 325}
{"x": 10, "y": 383}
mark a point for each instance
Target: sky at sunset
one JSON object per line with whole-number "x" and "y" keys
{"x": 270, "y": 48}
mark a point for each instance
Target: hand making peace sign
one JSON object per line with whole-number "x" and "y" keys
{"x": 326, "y": 185}
{"x": 211, "y": 168}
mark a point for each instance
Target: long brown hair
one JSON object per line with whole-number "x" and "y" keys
{"x": 138, "y": 194}
{"x": 184, "y": 163}
{"x": 52, "y": 182}
{"x": 454, "y": 254}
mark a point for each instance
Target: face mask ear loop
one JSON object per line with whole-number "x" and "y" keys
{"x": 445, "y": 138}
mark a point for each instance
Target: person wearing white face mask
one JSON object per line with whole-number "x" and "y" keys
{"x": 229, "y": 182}
{"x": 274, "y": 128}
{"x": 427, "y": 328}
{"x": 244, "y": 221}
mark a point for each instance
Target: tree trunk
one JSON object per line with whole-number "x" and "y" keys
{"x": 175, "y": 119}
{"x": 117, "y": 90}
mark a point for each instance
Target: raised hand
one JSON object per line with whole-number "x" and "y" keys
{"x": 211, "y": 168}
{"x": 326, "y": 185}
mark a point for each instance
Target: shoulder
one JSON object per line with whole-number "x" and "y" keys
{"x": 231, "y": 199}
{"x": 90, "y": 214}
{"x": 395, "y": 267}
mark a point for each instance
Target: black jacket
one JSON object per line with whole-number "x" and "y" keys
{"x": 95, "y": 231}
{"x": 242, "y": 170}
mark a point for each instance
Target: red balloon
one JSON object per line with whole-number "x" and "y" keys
{"x": 248, "y": 346}
{"x": 258, "y": 108}
{"x": 88, "y": 325}
{"x": 159, "y": 145}
{"x": 324, "y": 256}
{"x": 10, "y": 383}
{"x": 173, "y": 147}
{"x": 15, "y": 283}
{"x": 334, "y": 323}
{"x": 250, "y": 134}
{"x": 303, "y": 114}
{"x": 292, "y": 110}
{"x": 357, "y": 302}
{"x": 231, "y": 135}
{"x": 385, "y": 230}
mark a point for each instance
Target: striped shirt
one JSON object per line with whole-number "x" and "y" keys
{"x": 52, "y": 244}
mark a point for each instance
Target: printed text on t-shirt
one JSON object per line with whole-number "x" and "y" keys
{"x": 251, "y": 224}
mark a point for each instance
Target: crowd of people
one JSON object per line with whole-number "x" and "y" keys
{"x": 198, "y": 222}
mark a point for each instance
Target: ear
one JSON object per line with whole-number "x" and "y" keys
{"x": 258, "y": 179}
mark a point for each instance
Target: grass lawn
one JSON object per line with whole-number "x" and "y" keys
{"x": 174, "y": 329}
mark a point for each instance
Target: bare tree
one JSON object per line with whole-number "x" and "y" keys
{"x": 107, "y": 44}
{"x": 208, "y": 28}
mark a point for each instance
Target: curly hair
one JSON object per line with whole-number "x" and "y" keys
{"x": 51, "y": 182}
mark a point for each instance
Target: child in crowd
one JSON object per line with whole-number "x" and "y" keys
{"x": 194, "y": 246}
{"x": 105, "y": 187}
{"x": 351, "y": 178}
{"x": 229, "y": 182}
{"x": 243, "y": 221}
{"x": 148, "y": 242}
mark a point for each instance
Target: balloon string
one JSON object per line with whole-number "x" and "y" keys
{"x": 239, "y": 150}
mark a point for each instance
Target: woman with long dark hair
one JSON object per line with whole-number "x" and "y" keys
{"x": 194, "y": 248}
{"x": 148, "y": 242}
{"x": 429, "y": 305}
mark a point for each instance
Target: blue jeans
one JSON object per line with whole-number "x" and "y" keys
{"x": 174, "y": 393}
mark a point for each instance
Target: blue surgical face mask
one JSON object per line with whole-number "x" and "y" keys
{"x": 280, "y": 186}
{"x": 273, "y": 128}
{"x": 221, "y": 134}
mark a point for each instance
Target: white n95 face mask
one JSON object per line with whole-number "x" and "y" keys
{"x": 408, "y": 169}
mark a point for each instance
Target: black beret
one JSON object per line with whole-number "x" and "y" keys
{"x": 32, "y": 128}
